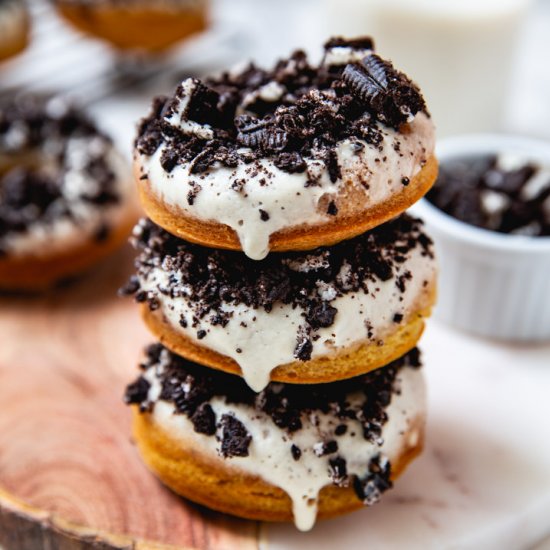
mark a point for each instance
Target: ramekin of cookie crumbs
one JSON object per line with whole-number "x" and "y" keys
{"x": 489, "y": 215}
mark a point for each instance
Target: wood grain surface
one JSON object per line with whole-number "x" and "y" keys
{"x": 70, "y": 475}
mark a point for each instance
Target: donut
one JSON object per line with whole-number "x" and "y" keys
{"x": 291, "y": 158}
{"x": 66, "y": 195}
{"x": 287, "y": 453}
{"x": 14, "y": 28}
{"x": 146, "y": 25}
{"x": 296, "y": 317}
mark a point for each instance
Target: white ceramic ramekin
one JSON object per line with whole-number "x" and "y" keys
{"x": 491, "y": 284}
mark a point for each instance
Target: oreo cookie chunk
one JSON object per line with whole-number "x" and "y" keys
{"x": 292, "y": 112}
{"x": 505, "y": 193}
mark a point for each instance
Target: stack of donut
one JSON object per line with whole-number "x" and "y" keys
{"x": 285, "y": 284}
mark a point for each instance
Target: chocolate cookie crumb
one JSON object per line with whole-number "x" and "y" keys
{"x": 190, "y": 386}
{"x": 131, "y": 287}
{"x": 377, "y": 480}
{"x": 290, "y": 162}
{"x": 204, "y": 419}
{"x": 169, "y": 159}
{"x": 303, "y": 349}
{"x": 483, "y": 191}
{"x": 137, "y": 392}
{"x": 341, "y": 429}
{"x": 210, "y": 279}
{"x": 321, "y": 315}
{"x": 325, "y": 448}
{"x": 389, "y": 94}
{"x": 308, "y": 110}
{"x": 235, "y": 437}
{"x": 338, "y": 471}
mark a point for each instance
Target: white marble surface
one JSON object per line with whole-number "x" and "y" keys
{"x": 483, "y": 481}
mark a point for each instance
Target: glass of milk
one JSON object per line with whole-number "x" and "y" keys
{"x": 459, "y": 52}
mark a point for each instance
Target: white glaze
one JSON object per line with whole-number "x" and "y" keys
{"x": 270, "y": 92}
{"x": 483, "y": 479}
{"x": 44, "y": 238}
{"x": 342, "y": 55}
{"x": 269, "y": 452}
{"x": 270, "y": 339}
{"x": 284, "y": 196}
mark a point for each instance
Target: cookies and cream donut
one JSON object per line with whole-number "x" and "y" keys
{"x": 14, "y": 28}
{"x": 66, "y": 196}
{"x": 287, "y": 453}
{"x": 292, "y": 158}
{"x": 300, "y": 317}
{"x": 144, "y": 25}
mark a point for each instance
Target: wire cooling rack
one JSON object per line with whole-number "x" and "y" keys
{"x": 63, "y": 61}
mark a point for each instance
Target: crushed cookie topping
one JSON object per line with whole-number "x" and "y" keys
{"x": 210, "y": 278}
{"x": 363, "y": 399}
{"x": 293, "y": 112}
{"x": 44, "y": 138}
{"x": 508, "y": 196}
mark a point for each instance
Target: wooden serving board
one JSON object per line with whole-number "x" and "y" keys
{"x": 70, "y": 475}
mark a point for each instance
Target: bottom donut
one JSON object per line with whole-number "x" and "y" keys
{"x": 287, "y": 453}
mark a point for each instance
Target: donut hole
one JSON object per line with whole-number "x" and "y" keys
{"x": 29, "y": 178}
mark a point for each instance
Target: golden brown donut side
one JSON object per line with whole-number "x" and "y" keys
{"x": 18, "y": 44}
{"x": 145, "y": 28}
{"x": 303, "y": 237}
{"x": 226, "y": 488}
{"x": 42, "y": 272}
{"x": 340, "y": 365}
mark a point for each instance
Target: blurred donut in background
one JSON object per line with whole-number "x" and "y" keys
{"x": 66, "y": 194}
{"x": 147, "y": 25}
{"x": 14, "y": 28}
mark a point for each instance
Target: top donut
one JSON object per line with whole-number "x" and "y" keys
{"x": 291, "y": 158}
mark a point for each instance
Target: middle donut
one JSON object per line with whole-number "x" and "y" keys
{"x": 298, "y": 317}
